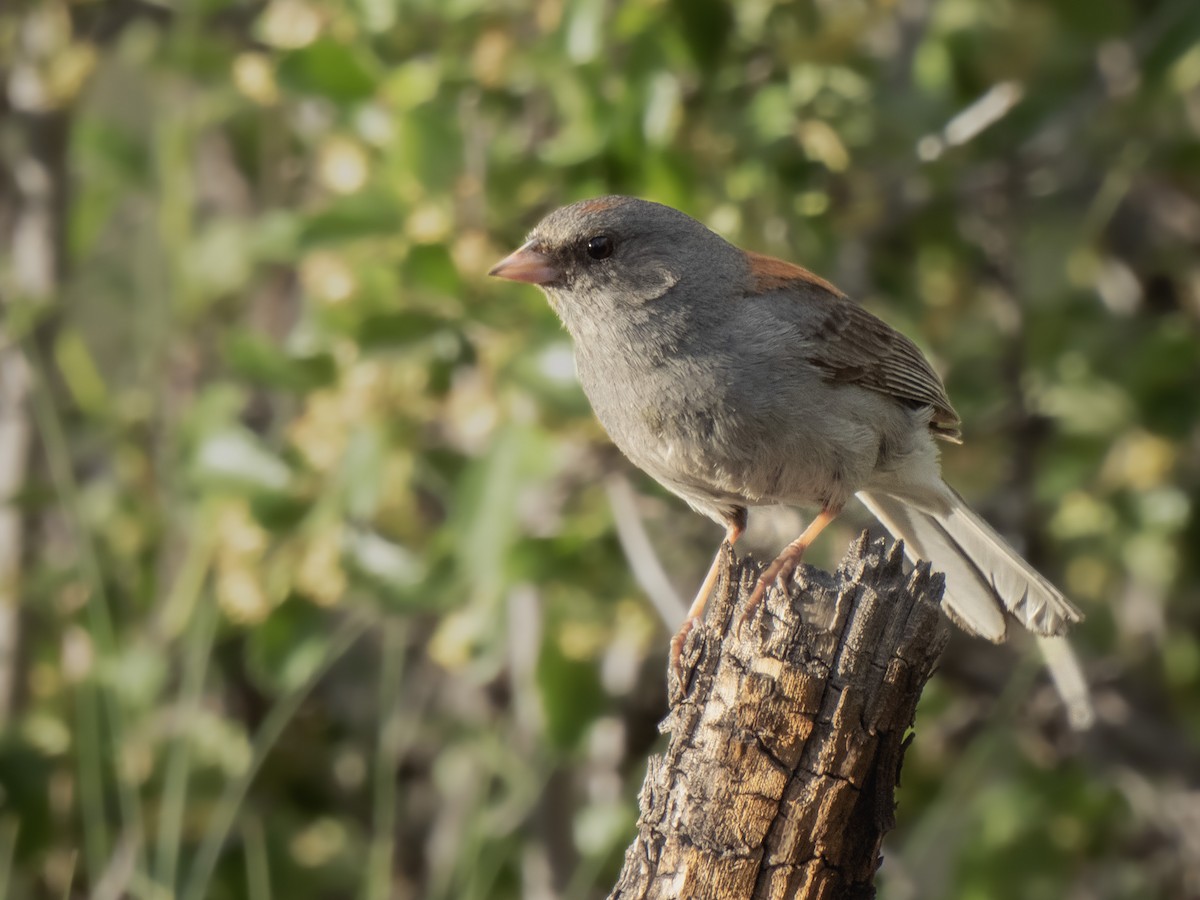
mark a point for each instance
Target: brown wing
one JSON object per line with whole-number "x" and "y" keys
{"x": 854, "y": 347}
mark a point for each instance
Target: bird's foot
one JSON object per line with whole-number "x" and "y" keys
{"x": 778, "y": 572}
{"x": 677, "y": 642}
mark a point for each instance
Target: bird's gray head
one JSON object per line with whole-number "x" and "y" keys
{"x": 613, "y": 254}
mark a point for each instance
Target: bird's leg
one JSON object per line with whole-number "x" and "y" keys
{"x": 785, "y": 563}
{"x": 734, "y": 526}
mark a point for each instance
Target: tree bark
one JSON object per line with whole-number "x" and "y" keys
{"x": 787, "y": 734}
{"x": 33, "y": 234}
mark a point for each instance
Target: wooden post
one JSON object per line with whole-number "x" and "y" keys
{"x": 787, "y": 739}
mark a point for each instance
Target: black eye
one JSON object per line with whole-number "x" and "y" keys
{"x": 600, "y": 247}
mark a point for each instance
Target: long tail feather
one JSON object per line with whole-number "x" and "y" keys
{"x": 985, "y": 577}
{"x": 986, "y": 580}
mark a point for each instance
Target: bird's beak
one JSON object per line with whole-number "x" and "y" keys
{"x": 526, "y": 264}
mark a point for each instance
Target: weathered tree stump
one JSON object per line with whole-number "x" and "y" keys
{"x": 787, "y": 739}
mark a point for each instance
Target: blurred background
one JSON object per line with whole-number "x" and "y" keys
{"x": 311, "y": 568}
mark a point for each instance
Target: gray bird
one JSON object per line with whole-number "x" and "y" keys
{"x": 738, "y": 380}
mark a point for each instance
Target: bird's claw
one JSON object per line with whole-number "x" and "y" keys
{"x": 752, "y": 604}
{"x": 677, "y": 642}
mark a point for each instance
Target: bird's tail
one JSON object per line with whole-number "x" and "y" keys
{"x": 986, "y": 580}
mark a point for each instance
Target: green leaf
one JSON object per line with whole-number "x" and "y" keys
{"x": 79, "y": 372}
{"x": 279, "y": 513}
{"x": 362, "y": 471}
{"x": 235, "y": 457}
{"x": 358, "y": 216}
{"x": 341, "y": 73}
{"x": 706, "y": 26}
{"x": 261, "y": 361}
{"x": 25, "y": 777}
{"x": 572, "y": 696}
{"x": 430, "y": 266}
{"x": 398, "y": 329}
{"x": 392, "y": 568}
{"x": 284, "y": 650}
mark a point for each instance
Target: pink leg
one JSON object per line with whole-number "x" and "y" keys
{"x": 733, "y": 531}
{"x": 785, "y": 563}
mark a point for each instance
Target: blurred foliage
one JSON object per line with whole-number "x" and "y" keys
{"x": 320, "y": 593}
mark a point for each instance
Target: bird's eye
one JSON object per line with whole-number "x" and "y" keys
{"x": 600, "y": 247}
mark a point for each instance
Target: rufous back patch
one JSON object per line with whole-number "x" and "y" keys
{"x": 771, "y": 274}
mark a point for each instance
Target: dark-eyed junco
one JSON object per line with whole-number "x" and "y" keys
{"x": 738, "y": 380}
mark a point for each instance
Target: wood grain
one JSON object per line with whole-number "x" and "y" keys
{"x": 787, "y": 739}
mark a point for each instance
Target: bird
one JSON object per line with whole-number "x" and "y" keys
{"x": 737, "y": 380}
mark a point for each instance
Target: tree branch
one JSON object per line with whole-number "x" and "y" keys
{"x": 787, "y": 739}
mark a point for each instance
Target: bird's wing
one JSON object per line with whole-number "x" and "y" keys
{"x": 851, "y": 346}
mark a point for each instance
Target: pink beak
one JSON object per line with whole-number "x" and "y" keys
{"x": 528, "y": 265}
